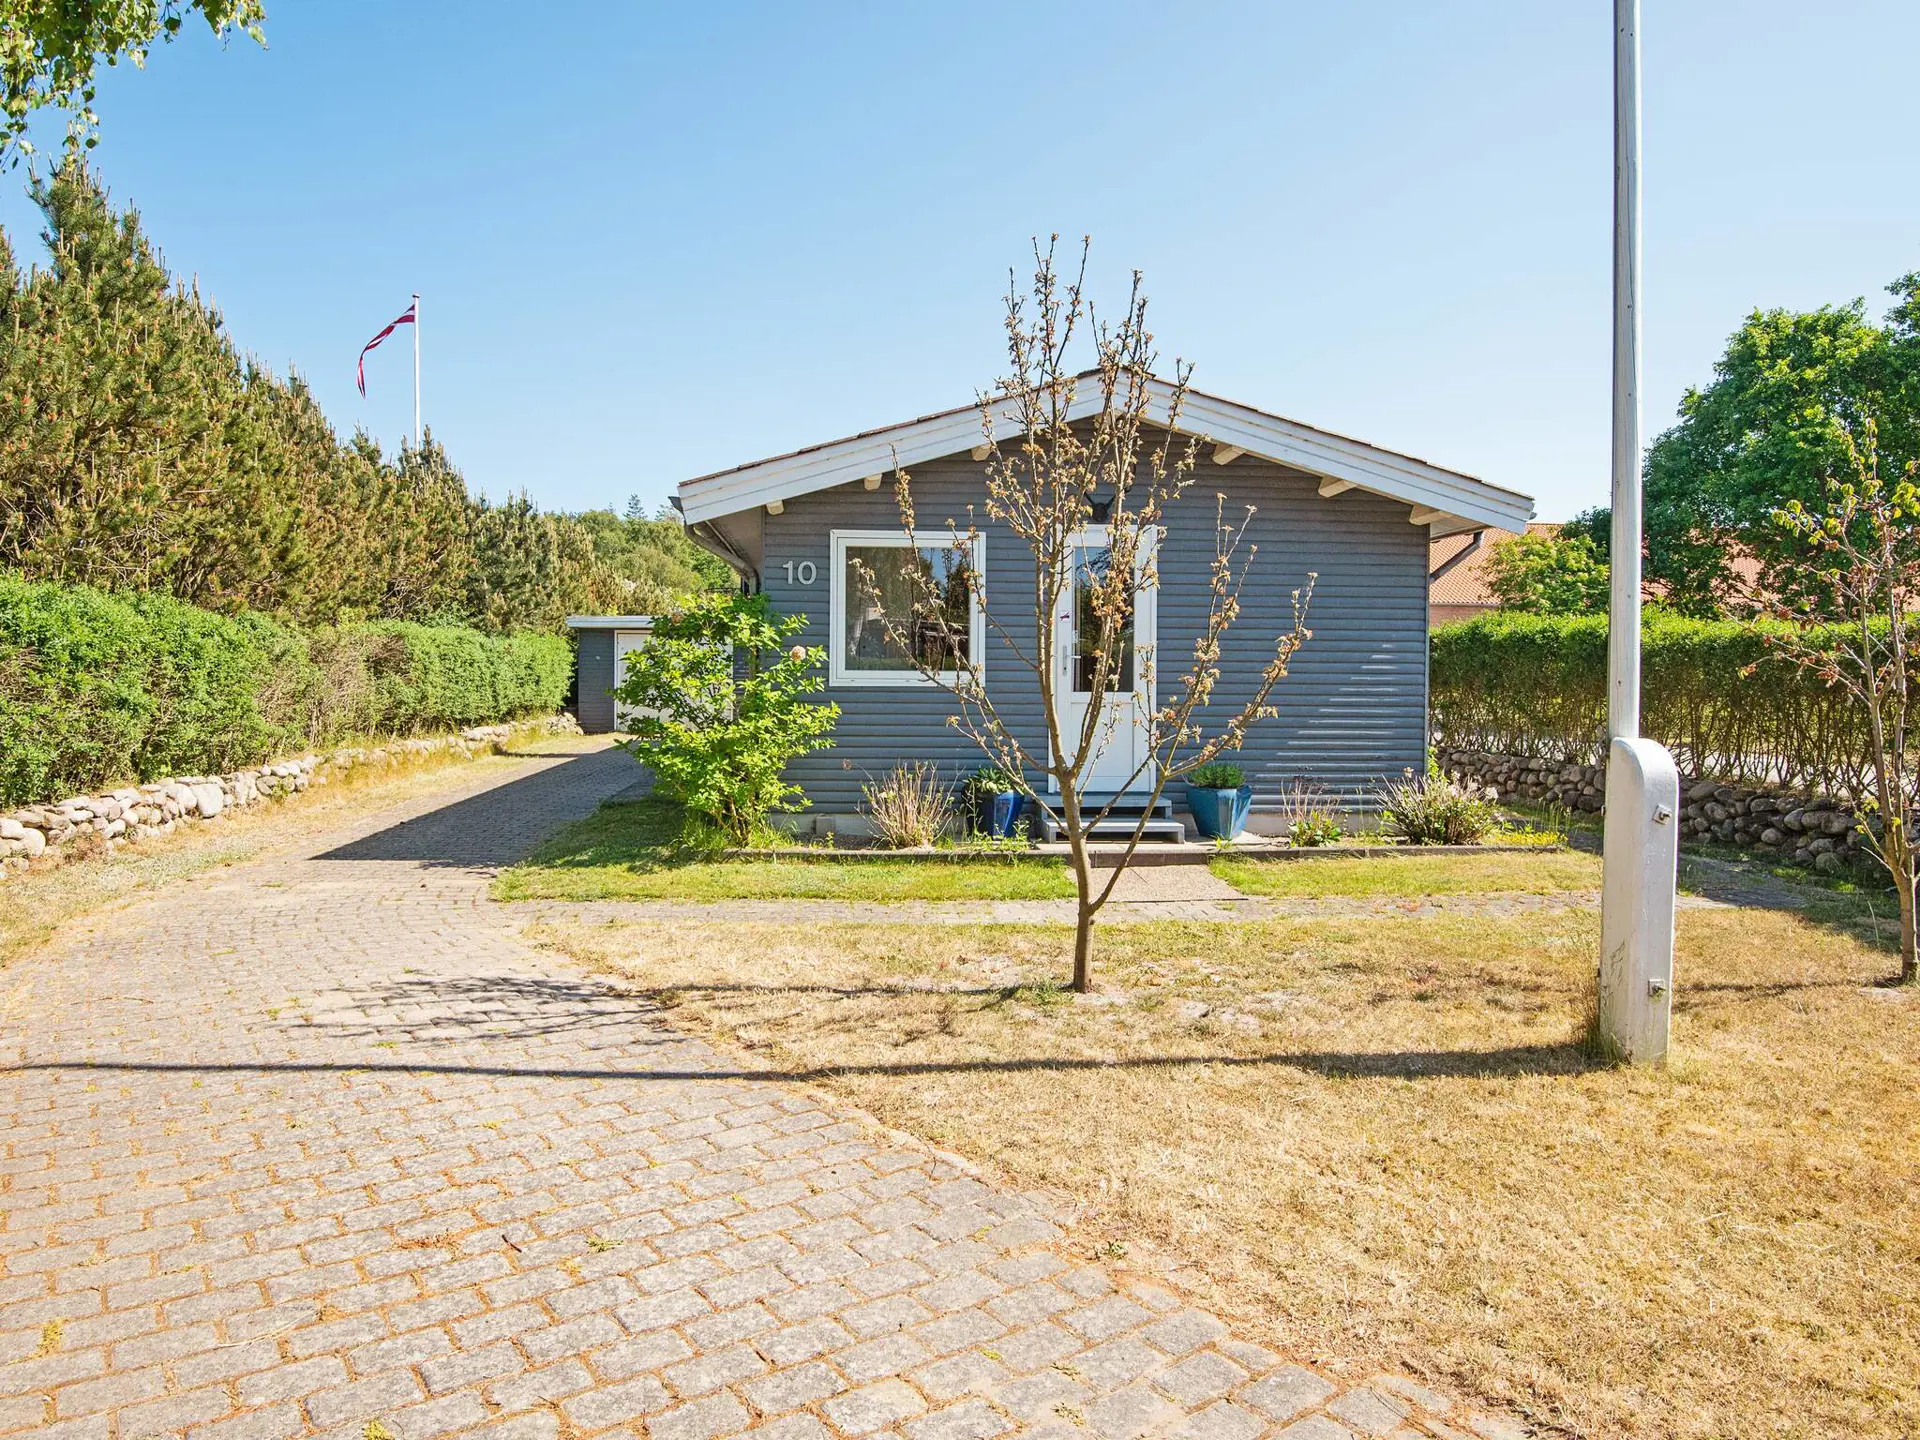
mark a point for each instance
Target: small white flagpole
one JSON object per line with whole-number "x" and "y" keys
{"x": 416, "y": 370}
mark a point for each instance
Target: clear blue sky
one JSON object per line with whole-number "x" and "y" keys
{"x": 659, "y": 240}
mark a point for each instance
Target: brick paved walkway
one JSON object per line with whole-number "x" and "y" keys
{"x": 315, "y": 1146}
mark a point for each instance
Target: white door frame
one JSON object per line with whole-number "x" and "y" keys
{"x": 1146, "y": 631}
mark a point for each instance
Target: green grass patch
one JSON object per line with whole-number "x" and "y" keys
{"x": 639, "y": 850}
{"x": 1535, "y": 874}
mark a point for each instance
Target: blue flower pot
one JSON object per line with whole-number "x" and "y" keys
{"x": 998, "y": 814}
{"x": 1220, "y": 814}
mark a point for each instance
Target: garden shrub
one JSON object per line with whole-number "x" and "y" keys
{"x": 73, "y": 707}
{"x": 1435, "y": 810}
{"x": 396, "y": 677}
{"x": 1308, "y": 815}
{"x": 98, "y": 689}
{"x": 207, "y": 676}
{"x": 721, "y": 708}
{"x": 910, "y": 807}
{"x": 1718, "y": 693}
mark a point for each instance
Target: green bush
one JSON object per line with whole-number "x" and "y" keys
{"x": 72, "y": 703}
{"x": 398, "y": 678}
{"x": 208, "y": 678}
{"x": 722, "y": 709}
{"x": 1718, "y": 693}
{"x": 98, "y": 689}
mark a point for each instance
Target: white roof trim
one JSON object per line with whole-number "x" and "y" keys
{"x": 1465, "y": 503}
{"x": 609, "y": 622}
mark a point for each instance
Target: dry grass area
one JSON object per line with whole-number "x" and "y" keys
{"x": 1379, "y": 1143}
{"x": 64, "y": 886}
{"x": 1532, "y": 872}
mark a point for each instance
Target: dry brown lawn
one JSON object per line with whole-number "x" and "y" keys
{"x": 1380, "y": 1144}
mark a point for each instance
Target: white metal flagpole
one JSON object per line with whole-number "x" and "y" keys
{"x": 1643, "y": 787}
{"x": 417, "y": 437}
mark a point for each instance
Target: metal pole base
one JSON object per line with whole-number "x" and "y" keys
{"x": 1636, "y": 910}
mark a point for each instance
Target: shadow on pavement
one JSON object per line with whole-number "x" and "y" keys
{"x": 499, "y": 826}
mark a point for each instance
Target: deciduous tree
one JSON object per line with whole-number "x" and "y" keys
{"x": 1048, "y": 476}
{"x": 1785, "y": 408}
{"x": 1538, "y": 574}
{"x": 50, "y": 49}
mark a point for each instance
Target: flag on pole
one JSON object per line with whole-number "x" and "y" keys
{"x": 408, "y": 318}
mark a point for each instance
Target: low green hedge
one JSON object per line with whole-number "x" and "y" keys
{"x": 395, "y": 677}
{"x": 97, "y": 689}
{"x": 1717, "y": 693}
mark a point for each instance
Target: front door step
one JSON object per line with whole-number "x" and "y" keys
{"x": 1161, "y": 827}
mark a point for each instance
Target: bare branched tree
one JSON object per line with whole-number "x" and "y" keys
{"x": 1087, "y": 488}
{"x": 1859, "y": 570}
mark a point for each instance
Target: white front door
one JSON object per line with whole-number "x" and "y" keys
{"x": 1121, "y": 737}
{"x": 625, "y": 642}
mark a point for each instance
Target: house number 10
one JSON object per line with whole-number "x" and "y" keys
{"x": 803, "y": 572}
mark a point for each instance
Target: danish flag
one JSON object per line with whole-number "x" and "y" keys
{"x": 408, "y": 318}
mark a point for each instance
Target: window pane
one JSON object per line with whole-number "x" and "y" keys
{"x": 1090, "y": 568}
{"x": 932, "y": 615}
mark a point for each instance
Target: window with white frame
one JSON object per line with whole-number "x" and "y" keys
{"x": 900, "y": 606}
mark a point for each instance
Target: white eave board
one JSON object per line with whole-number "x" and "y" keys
{"x": 609, "y": 622}
{"x": 1467, "y": 502}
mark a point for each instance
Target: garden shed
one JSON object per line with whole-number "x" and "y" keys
{"x": 603, "y": 644}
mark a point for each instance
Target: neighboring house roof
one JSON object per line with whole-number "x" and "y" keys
{"x": 1446, "y": 500}
{"x": 1466, "y": 582}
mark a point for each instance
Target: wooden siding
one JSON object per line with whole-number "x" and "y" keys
{"x": 595, "y": 672}
{"x": 1352, "y": 712}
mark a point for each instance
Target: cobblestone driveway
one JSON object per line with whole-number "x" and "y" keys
{"x": 315, "y": 1146}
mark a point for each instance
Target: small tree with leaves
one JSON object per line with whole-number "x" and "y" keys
{"x": 1055, "y": 466}
{"x": 1858, "y": 565}
{"x": 1537, "y": 574}
{"x": 49, "y": 50}
{"x": 722, "y": 706}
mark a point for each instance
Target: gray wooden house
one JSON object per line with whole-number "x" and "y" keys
{"x": 1354, "y": 709}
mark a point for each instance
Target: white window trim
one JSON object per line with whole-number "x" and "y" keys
{"x": 837, "y": 673}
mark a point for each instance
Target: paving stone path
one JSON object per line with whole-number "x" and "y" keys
{"x": 317, "y": 1146}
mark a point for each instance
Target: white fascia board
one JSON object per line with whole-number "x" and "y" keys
{"x": 1399, "y": 477}
{"x": 841, "y": 463}
{"x": 609, "y": 622}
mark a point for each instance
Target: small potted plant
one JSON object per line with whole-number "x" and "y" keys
{"x": 998, "y": 801}
{"x": 1220, "y": 799}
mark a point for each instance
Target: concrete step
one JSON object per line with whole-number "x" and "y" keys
{"x": 1160, "y": 826}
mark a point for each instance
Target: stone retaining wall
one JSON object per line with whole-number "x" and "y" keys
{"x": 1813, "y": 831}
{"x": 159, "y": 806}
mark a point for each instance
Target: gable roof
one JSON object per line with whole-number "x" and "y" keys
{"x": 1459, "y": 502}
